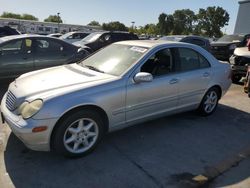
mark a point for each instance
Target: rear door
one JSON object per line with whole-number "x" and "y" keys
{"x": 194, "y": 75}
{"x": 16, "y": 58}
{"x": 49, "y": 52}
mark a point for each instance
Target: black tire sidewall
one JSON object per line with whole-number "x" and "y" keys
{"x": 57, "y": 140}
{"x": 201, "y": 108}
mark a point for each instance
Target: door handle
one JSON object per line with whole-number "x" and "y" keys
{"x": 206, "y": 74}
{"x": 174, "y": 81}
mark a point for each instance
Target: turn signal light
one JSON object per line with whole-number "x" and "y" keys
{"x": 39, "y": 129}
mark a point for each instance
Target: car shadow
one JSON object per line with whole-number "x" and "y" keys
{"x": 145, "y": 155}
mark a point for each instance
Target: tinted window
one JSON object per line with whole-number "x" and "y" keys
{"x": 196, "y": 42}
{"x": 13, "y": 45}
{"x": 191, "y": 60}
{"x": 43, "y": 45}
{"x": 11, "y": 48}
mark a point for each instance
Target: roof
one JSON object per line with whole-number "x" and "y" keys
{"x": 146, "y": 43}
{"x": 11, "y": 37}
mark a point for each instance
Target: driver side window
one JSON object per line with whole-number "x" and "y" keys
{"x": 160, "y": 63}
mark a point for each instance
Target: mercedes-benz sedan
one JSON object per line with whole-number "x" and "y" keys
{"x": 69, "y": 108}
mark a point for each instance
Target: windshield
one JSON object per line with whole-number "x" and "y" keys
{"x": 231, "y": 38}
{"x": 172, "y": 38}
{"x": 92, "y": 37}
{"x": 65, "y": 35}
{"x": 114, "y": 59}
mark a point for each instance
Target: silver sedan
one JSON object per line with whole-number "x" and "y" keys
{"x": 69, "y": 108}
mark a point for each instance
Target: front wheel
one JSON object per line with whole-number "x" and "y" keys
{"x": 78, "y": 133}
{"x": 209, "y": 102}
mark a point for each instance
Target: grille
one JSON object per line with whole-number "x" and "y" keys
{"x": 10, "y": 101}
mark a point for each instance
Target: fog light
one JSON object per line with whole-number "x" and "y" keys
{"x": 39, "y": 129}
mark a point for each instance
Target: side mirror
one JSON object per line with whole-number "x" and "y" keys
{"x": 143, "y": 77}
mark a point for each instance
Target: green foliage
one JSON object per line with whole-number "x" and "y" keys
{"x": 53, "y": 18}
{"x": 114, "y": 26}
{"x": 19, "y": 16}
{"x": 183, "y": 21}
{"x": 211, "y": 20}
{"x": 94, "y": 23}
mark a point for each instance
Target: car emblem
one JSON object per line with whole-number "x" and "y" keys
{"x": 216, "y": 47}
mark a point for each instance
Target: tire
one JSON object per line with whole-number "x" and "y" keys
{"x": 209, "y": 102}
{"x": 78, "y": 134}
{"x": 236, "y": 78}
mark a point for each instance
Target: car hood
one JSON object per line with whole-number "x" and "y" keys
{"x": 223, "y": 43}
{"x": 242, "y": 52}
{"x": 57, "y": 80}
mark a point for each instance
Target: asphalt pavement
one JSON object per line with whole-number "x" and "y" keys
{"x": 166, "y": 152}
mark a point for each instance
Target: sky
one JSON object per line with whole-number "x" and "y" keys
{"x": 141, "y": 12}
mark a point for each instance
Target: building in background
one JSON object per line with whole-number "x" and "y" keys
{"x": 243, "y": 19}
{"x": 44, "y": 28}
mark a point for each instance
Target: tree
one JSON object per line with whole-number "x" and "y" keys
{"x": 94, "y": 23}
{"x": 29, "y": 17}
{"x": 114, "y": 26}
{"x": 211, "y": 20}
{"x": 10, "y": 15}
{"x": 165, "y": 24}
{"x": 19, "y": 16}
{"x": 53, "y": 18}
{"x": 183, "y": 21}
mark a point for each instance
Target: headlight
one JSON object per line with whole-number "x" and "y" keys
{"x": 27, "y": 109}
{"x": 232, "y": 46}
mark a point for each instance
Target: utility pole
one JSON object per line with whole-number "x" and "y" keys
{"x": 58, "y": 22}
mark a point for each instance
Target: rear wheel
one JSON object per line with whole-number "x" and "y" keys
{"x": 209, "y": 102}
{"x": 78, "y": 133}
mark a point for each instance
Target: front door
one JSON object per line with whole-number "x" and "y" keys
{"x": 160, "y": 96}
{"x": 16, "y": 58}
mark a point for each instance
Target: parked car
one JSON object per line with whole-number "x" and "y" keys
{"x": 74, "y": 36}
{"x": 6, "y": 31}
{"x": 224, "y": 47}
{"x": 192, "y": 39}
{"x": 98, "y": 40}
{"x": 24, "y": 53}
{"x": 239, "y": 62}
{"x": 56, "y": 35}
{"x": 123, "y": 84}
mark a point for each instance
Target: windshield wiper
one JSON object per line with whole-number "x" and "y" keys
{"x": 93, "y": 68}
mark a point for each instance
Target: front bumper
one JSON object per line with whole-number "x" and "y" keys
{"x": 39, "y": 141}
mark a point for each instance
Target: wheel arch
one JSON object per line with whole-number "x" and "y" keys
{"x": 73, "y": 110}
{"x": 218, "y": 88}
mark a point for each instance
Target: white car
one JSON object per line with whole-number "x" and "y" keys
{"x": 74, "y": 36}
{"x": 69, "y": 108}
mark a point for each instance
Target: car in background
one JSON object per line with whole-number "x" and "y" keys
{"x": 23, "y": 53}
{"x": 56, "y": 35}
{"x": 74, "y": 36}
{"x": 224, "y": 47}
{"x": 192, "y": 39}
{"x": 7, "y": 31}
{"x": 121, "y": 85}
{"x": 98, "y": 40}
{"x": 239, "y": 61}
